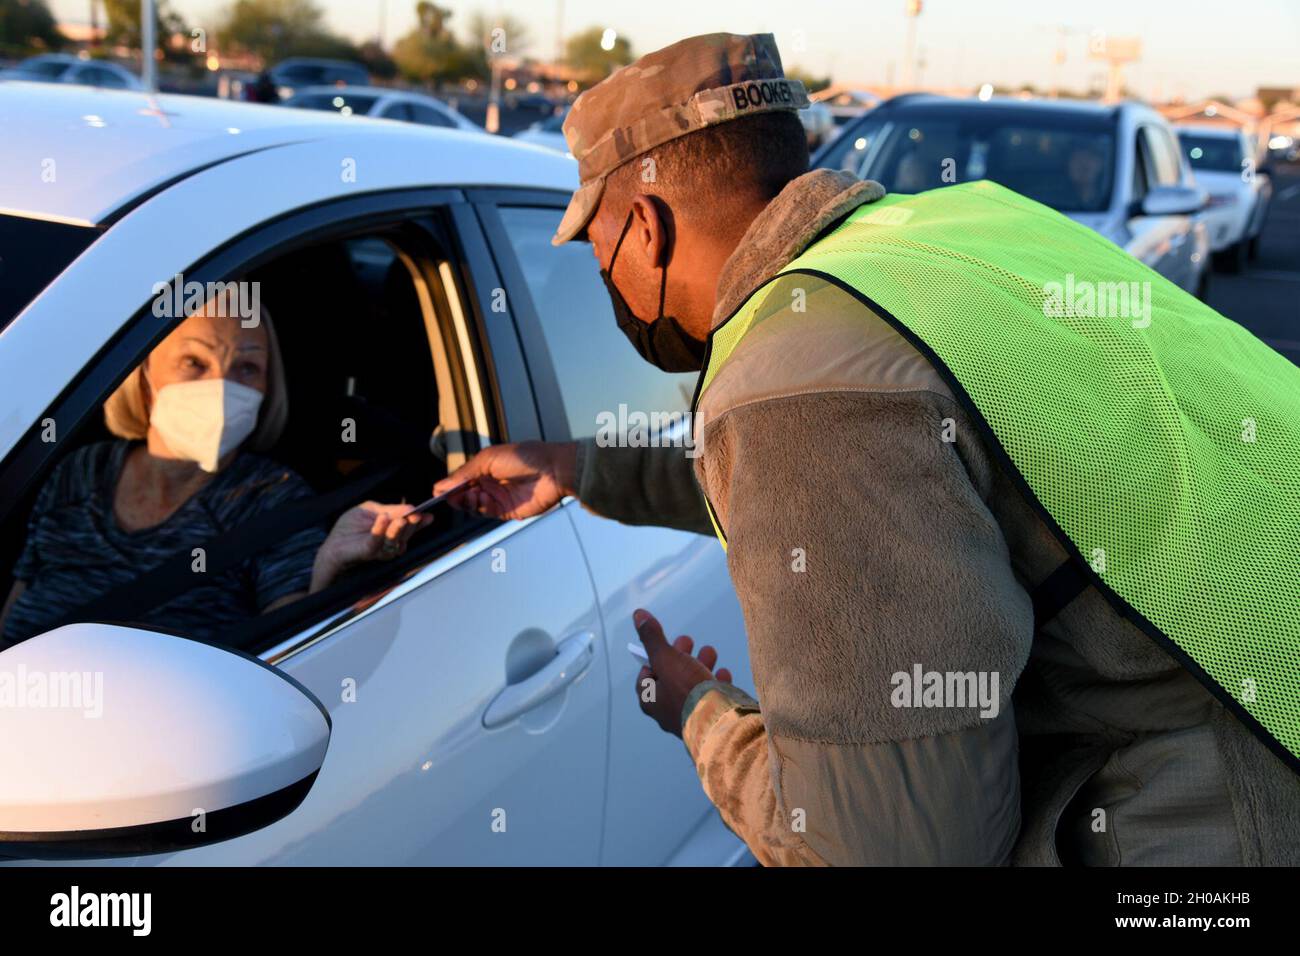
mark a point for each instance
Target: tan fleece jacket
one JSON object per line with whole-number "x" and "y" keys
{"x": 874, "y": 540}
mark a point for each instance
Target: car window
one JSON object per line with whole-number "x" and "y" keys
{"x": 850, "y": 150}
{"x": 1212, "y": 153}
{"x": 598, "y": 370}
{"x": 45, "y": 69}
{"x": 33, "y": 252}
{"x": 1063, "y": 161}
{"x": 300, "y": 74}
{"x": 98, "y": 76}
{"x": 428, "y": 116}
{"x": 1141, "y": 164}
{"x": 355, "y": 371}
{"x": 1164, "y": 157}
{"x": 397, "y": 111}
{"x": 554, "y": 123}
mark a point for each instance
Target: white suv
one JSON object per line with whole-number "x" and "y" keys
{"x": 1225, "y": 164}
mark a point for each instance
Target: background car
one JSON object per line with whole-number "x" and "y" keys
{"x": 480, "y": 694}
{"x": 65, "y": 68}
{"x": 382, "y": 103}
{"x": 295, "y": 73}
{"x": 818, "y": 123}
{"x": 846, "y": 106}
{"x": 547, "y": 132}
{"x": 1240, "y": 190}
{"x": 1116, "y": 169}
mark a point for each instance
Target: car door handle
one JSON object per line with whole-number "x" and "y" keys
{"x": 572, "y": 658}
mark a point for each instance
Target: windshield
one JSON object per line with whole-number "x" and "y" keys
{"x": 32, "y": 252}
{"x": 1062, "y": 160}
{"x": 45, "y": 69}
{"x": 313, "y": 74}
{"x": 1215, "y": 153}
{"x": 347, "y": 104}
{"x": 553, "y": 124}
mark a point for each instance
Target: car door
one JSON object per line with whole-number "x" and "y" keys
{"x": 1162, "y": 242}
{"x": 469, "y": 698}
{"x": 468, "y": 709}
{"x": 585, "y": 371}
{"x": 1171, "y": 170}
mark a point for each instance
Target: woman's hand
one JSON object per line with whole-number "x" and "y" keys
{"x": 368, "y": 532}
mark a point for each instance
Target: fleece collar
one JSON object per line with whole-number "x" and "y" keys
{"x": 805, "y": 207}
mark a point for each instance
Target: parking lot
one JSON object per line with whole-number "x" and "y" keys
{"x": 1265, "y": 297}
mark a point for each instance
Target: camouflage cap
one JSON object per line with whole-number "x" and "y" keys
{"x": 697, "y": 82}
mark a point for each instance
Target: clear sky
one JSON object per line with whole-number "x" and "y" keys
{"x": 1191, "y": 48}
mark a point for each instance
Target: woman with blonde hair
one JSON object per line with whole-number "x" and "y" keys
{"x": 190, "y": 422}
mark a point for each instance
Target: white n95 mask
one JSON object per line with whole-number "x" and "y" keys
{"x": 203, "y": 420}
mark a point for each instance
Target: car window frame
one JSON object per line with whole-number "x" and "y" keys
{"x": 1141, "y": 167}
{"x": 540, "y": 366}
{"x": 392, "y": 108}
{"x": 508, "y": 401}
{"x": 1150, "y": 135}
{"x": 444, "y": 120}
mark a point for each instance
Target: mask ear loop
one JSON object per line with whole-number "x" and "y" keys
{"x": 663, "y": 285}
{"x": 627, "y": 224}
{"x": 663, "y": 282}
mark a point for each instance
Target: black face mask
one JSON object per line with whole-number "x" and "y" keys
{"x": 663, "y": 342}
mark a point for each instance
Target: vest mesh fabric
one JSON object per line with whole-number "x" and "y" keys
{"x": 1163, "y": 443}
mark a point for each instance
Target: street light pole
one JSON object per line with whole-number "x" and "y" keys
{"x": 909, "y": 54}
{"x": 148, "y": 71}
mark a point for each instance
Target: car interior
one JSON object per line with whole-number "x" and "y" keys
{"x": 375, "y": 388}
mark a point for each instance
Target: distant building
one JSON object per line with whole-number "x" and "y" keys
{"x": 1215, "y": 113}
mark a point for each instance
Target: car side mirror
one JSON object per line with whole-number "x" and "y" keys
{"x": 1172, "y": 201}
{"x": 116, "y": 741}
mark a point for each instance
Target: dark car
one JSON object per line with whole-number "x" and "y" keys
{"x": 297, "y": 72}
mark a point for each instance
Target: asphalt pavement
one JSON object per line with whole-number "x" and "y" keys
{"x": 1265, "y": 296}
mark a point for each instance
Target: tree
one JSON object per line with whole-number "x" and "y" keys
{"x": 28, "y": 24}
{"x": 275, "y": 29}
{"x": 499, "y": 36}
{"x": 585, "y": 54}
{"x": 811, "y": 83}
{"x": 376, "y": 60}
{"x": 430, "y": 53}
{"x": 123, "y": 27}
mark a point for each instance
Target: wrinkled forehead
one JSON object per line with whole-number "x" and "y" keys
{"x": 218, "y": 332}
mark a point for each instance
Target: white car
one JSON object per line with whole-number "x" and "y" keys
{"x": 65, "y": 68}
{"x": 1116, "y": 169}
{"x": 472, "y": 702}
{"x": 1225, "y": 164}
{"x": 547, "y": 133}
{"x": 381, "y": 103}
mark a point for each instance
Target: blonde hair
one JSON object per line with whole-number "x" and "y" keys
{"x": 126, "y": 411}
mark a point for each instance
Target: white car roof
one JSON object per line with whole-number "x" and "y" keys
{"x": 75, "y": 154}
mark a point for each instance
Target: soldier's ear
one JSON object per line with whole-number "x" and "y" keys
{"x": 652, "y": 221}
